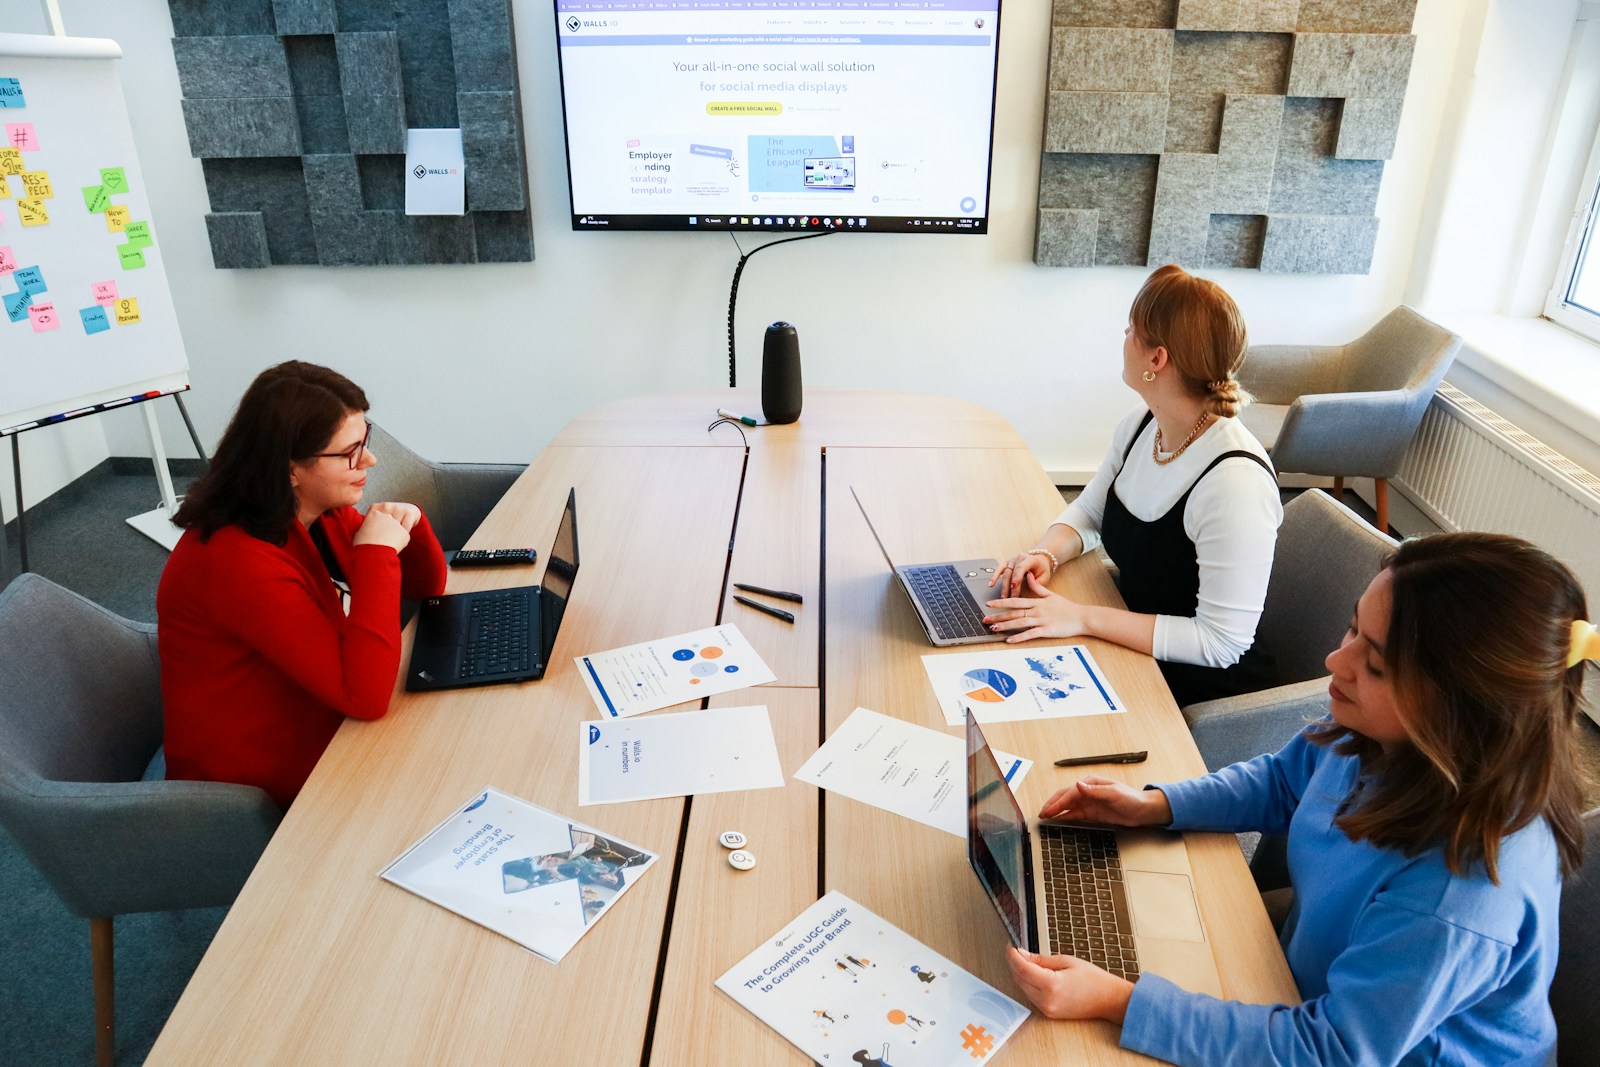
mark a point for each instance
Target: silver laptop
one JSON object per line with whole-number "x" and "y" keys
{"x": 1122, "y": 899}
{"x": 949, "y": 598}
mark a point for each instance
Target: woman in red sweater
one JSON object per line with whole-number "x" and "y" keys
{"x": 279, "y": 611}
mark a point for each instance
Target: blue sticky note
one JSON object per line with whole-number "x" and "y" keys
{"x": 94, "y": 319}
{"x": 30, "y": 280}
{"x": 11, "y": 93}
{"x": 17, "y": 305}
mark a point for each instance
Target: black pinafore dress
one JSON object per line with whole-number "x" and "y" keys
{"x": 1161, "y": 576}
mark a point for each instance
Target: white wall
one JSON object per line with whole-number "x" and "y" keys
{"x": 488, "y": 362}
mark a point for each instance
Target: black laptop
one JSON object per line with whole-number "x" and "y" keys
{"x": 496, "y": 635}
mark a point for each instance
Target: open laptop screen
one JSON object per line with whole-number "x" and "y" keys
{"x": 559, "y": 573}
{"x": 997, "y": 837}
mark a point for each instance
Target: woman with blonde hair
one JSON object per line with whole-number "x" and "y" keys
{"x": 1431, "y": 819}
{"x": 1186, "y": 504}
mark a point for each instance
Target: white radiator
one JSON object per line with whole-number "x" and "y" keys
{"x": 1470, "y": 469}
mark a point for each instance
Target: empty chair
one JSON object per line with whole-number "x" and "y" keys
{"x": 455, "y": 496}
{"x": 1348, "y": 410}
{"x": 80, "y": 723}
{"x": 1325, "y": 559}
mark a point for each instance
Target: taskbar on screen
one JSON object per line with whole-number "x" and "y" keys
{"x": 784, "y": 223}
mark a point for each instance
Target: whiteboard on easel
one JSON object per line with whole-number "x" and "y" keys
{"x": 88, "y": 321}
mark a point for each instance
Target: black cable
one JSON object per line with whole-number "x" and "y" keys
{"x": 733, "y": 293}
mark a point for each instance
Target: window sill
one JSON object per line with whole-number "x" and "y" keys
{"x": 1548, "y": 368}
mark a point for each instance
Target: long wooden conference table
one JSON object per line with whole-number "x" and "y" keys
{"x": 321, "y": 962}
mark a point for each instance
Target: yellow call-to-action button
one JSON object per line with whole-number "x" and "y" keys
{"x": 744, "y": 107}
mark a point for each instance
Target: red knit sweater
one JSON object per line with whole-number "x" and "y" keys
{"x": 260, "y": 664}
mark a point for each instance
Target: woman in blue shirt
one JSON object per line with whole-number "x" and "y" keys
{"x": 1431, "y": 819}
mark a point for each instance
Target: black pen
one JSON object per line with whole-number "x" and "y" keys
{"x": 779, "y": 593}
{"x": 1114, "y": 757}
{"x": 775, "y": 612}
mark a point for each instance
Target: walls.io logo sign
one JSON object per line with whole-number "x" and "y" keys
{"x": 573, "y": 24}
{"x": 419, "y": 170}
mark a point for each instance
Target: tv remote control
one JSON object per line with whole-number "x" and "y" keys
{"x": 493, "y": 557}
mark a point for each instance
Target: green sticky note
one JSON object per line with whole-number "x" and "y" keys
{"x": 138, "y": 234}
{"x": 113, "y": 179}
{"x": 96, "y": 198}
{"x": 132, "y": 258}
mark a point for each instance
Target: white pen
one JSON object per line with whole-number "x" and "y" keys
{"x": 735, "y": 416}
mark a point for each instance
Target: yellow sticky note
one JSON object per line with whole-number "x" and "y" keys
{"x": 32, "y": 212}
{"x": 5, "y": 187}
{"x": 127, "y": 308}
{"x": 117, "y": 217}
{"x": 36, "y": 184}
{"x": 11, "y": 161}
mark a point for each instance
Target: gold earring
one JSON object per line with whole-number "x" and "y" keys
{"x": 1149, "y": 375}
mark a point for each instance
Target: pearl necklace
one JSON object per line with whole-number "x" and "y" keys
{"x": 1155, "y": 445}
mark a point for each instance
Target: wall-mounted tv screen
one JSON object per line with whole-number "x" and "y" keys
{"x": 872, "y": 115}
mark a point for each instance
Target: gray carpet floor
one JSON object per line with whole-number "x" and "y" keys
{"x": 79, "y": 539}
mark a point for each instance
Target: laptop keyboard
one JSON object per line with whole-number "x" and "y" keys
{"x": 497, "y": 634}
{"x": 943, "y": 595}
{"x": 1085, "y": 902}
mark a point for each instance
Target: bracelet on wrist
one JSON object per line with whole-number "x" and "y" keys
{"x": 1055, "y": 564}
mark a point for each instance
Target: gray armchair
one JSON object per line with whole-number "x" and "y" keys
{"x": 1326, "y": 557}
{"x": 455, "y": 496}
{"x": 1577, "y": 983}
{"x": 1348, "y": 410}
{"x": 80, "y": 724}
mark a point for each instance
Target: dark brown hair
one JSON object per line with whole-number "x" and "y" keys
{"x": 1477, "y": 650}
{"x": 289, "y": 414}
{"x": 1200, "y": 327}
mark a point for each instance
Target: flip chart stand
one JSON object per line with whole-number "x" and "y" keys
{"x": 155, "y": 524}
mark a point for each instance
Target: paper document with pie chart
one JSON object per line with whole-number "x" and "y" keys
{"x": 673, "y": 670}
{"x": 1031, "y": 683}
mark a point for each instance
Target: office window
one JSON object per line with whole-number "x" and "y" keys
{"x": 1575, "y": 300}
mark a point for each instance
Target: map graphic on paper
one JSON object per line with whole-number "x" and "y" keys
{"x": 1033, "y": 683}
{"x": 846, "y": 988}
{"x": 672, "y": 670}
{"x": 523, "y": 872}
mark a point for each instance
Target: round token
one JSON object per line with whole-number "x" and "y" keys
{"x": 742, "y": 860}
{"x": 732, "y": 839}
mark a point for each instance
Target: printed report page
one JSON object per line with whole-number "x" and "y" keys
{"x": 779, "y": 107}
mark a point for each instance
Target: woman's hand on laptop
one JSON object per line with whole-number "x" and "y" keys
{"x": 1065, "y": 987}
{"x": 1106, "y": 800}
{"x": 1044, "y": 614}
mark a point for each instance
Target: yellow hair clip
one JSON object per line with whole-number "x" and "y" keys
{"x": 1585, "y": 643}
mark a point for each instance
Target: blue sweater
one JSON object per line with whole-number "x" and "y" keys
{"x": 1399, "y": 961}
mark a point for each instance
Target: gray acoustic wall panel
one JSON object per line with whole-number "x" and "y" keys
{"x": 493, "y": 151}
{"x": 1274, "y": 119}
{"x": 1113, "y": 61}
{"x": 298, "y": 110}
{"x": 234, "y": 129}
{"x": 238, "y": 239}
{"x": 231, "y": 67}
{"x": 304, "y": 16}
{"x": 1105, "y": 122}
{"x": 1067, "y": 237}
{"x": 1259, "y": 16}
{"x": 1319, "y": 244}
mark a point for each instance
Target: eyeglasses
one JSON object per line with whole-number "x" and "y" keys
{"x": 352, "y": 456}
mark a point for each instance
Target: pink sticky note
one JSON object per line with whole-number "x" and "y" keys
{"x": 105, "y": 293}
{"x": 43, "y": 317}
{"x": 8, "y": 260}
{"x": 20, "y": 135}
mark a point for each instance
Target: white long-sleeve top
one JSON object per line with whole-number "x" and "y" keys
{"x": 1232, "y": 517}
